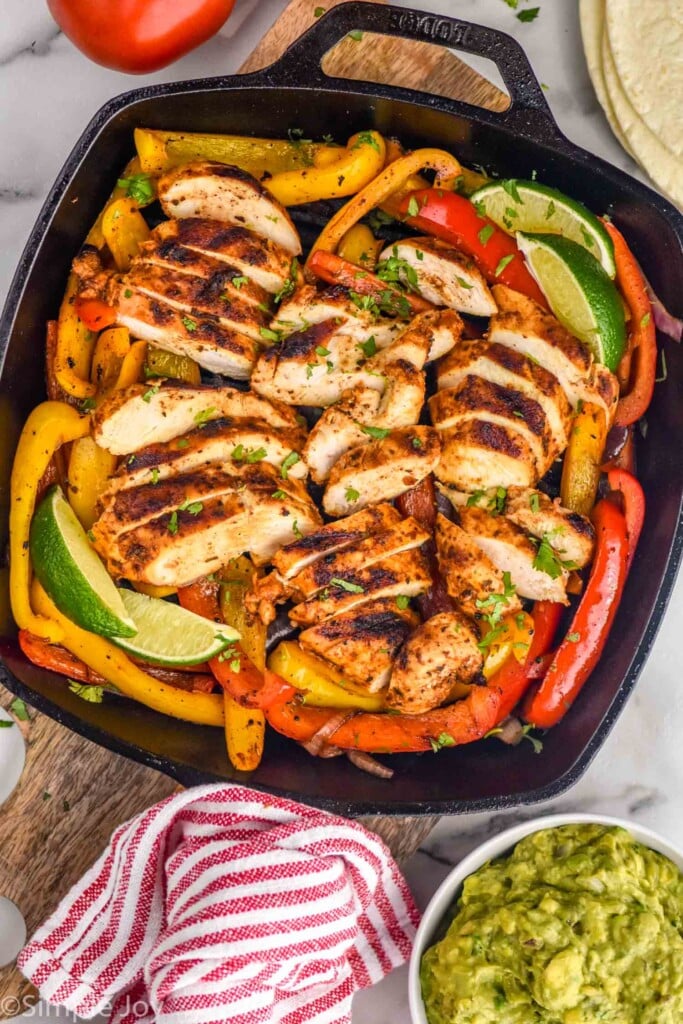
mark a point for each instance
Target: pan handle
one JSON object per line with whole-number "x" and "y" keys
{"x": 301, "y": 62}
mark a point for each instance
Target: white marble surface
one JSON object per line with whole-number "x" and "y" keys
{"x": 48, "y": 92}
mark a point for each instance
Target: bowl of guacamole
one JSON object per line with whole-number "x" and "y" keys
{"x": 569, "y": 919}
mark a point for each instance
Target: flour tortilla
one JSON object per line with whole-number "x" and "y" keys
{"x": 592, "y": 19}
{"x": 665, "y": 169}
{"x": 646, "y": 43}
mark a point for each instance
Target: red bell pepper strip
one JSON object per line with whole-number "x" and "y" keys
{"x": 642, "y": 342}
{"x": 634, "y": 506}
{"x": 336, "y": 270}
{"x": 462, "y": 722}
{"x": 581, "y": 648}
{"x": 95, "y": 314}
{"x": 246, "y": 685}
{"x": 454, "y": 219}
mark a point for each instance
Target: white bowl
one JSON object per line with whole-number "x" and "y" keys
{"x": 446, "y": 894}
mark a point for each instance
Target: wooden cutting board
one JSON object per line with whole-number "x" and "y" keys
{"x": 73, "y": 794}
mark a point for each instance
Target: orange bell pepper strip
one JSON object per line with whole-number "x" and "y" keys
{"x": 335, "y": 270}
{"x": 579, "y": 652}
{"x": 463, "y": 722}
{"x": 642, "y": 345}
{"x": 95, "y": 314}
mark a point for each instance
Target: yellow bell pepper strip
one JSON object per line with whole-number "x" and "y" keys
{"x": 359, "y": 246}
{"x": 111, "y": 663}
{"x": 583, "y": 458}
{"x": 153, "y": 591}
{"x": 159, "y": 151}
{"x": 95, "y": 236}
{"x": 50, "y": 425}
{"x": 323, "y": 686}
{"x": 90, "y": 469}
{"x": 124, "y": 228}
{"x": 111, "y": 348}
{"x": 169, "y": 364}
{"x": 387, "y": 182}
{"x": 355, "y": 167}
{"x": 74, "y": 347}
{"x": 132, "y": 366}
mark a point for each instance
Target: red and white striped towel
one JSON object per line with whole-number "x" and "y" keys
{"x": 222, "y": 904}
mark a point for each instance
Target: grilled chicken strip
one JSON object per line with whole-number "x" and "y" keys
{"x": 507, "y": 368}
{"x": 428, "y": 336}
{"x": 439, "y": 655}
{"x": 511, "y": 550}
{"x": 571, "y": 535}
{"x": 309, "y": 306}
{"x": 224, "y": 193}
{"x": 259, "y": 259}
{"x": 522, "y": 325}
{"x": 405, "y": 536}
{"x": 480, "y": 400}
{"x": 402, "y": 575}
{"x": 471, "y": 576}
{"x": 445, "y": 276}
{"x": 478, "y": 452}
{"x": 160, "y": 410}
{"x": 363, "y": 642}
{"x": 381, "y": 470}
{"x": 171, "y": 533}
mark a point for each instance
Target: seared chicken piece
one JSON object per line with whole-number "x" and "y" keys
{"x": 215, "y": 347}
{"x": 439, "y": 655}
{"x": 403, "y": 575}
{"x": 571, "y": 535}
{"x": 478, "y": 399}
{"x": 197, "y": 296}
{"x": 223, "y": 442}
{"x": 521, "y": 324}
{"x": 470, "y": 575}
{"x": 363, "y": 642}
{"x": 403, "y": 397}
{"x": 444, "y": 275}
{"x": 160, "y": 410}
{"x": 174, "y": 532}
{"x": 309, "y": 306}
{"x": 320, "y": 574}
{"x": 510, "y": 550}
{"x": 268, "y": 265}
{"x": 339, "y": 429}
{"x": 509, "y": 369}
{"x": 221, "y": 192}
{"x": 428, "y": 336}
{"x": 334, "y": 537}
{"x": 478, "y": 452}
{"x": 381, "y": 470}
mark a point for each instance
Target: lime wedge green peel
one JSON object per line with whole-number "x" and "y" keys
{"x": 579, "y": 292}
{"x": 517, "y": 205}
{"x": 171, "y": 635}
{"x": 71, "y": 572}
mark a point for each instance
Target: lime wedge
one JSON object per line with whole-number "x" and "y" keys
{"x": 71, "y": 572}
{"x": 171, "y": 635}
{"x": 579, "y": 292}
{"x": 516, "y": 205}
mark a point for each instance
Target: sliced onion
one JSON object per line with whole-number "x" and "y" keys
{"x": 664, "y": 320}
{"x": 319, "y": 739}
{"x": 510, "y": 731}
{"x": 615, "y": 441}
{"x": 367, "y": 763}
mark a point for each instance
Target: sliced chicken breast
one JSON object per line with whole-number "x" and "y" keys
{"x": 402, "y": 575}
{"x": 405, "y": 536}
{"x": 221, "y": 192}
{"x": 339, "y": 429}
{"x": 471, "y": 576}
{"x": 363, "y": 642}
{"x": 439, "y": 655}
{"x": 510, "y": 550}
{"x": 571, "y": 535}
{"x": 309, "y": 306}
{"x": 381, "y": 470}
{"x": 479, "y": 399}
{"x": 444, "y": 275}
{"x": 524, "y": 326}
{"x": 334, "y": 537}
{"x": 268, "y": 265}
{"x": 428, "y": 336}
{"x": 478, "y": 454}
{"x": 509, "y": 369}
{"x": 160, "y": 410}
{"x": 215, "y": 347}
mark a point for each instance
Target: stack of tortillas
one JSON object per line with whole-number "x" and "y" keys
{"x": 634, "y": 51}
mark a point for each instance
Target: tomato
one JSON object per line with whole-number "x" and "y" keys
{"x": 137, "y": 36}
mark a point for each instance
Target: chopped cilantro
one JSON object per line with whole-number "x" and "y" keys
{"x": 352, "y": 494}
{"x": 19, "y": 710}
{"x": 529, "y": 14}
{"x": 248, "y": 455}
{"x": 287, "y": 464}
{"x": 444, "y": 739}
{"x": 356, "y": 35}
{"x": 497, "y": 502}
{"x": 644, "y": 320}
{"x": 416, "y": 442}
{"x": 548, "y": 561}
{"x": 485, "y": 233}
{"x": 322, "y": 351}
{"x": 189, "y": 324}
{"x": 296, "y": 531}
{"x": 510, "y": 186}
{"x": 474, "y": 498}
{"x": 378, "y": 433}
{"x": 5, "y": 723}
{"x": 463, "y": 283}
{"x": 413, "y": 207}
{"x": 290, "y": 284}
{"x": 204, "y": 415}
{"x": 237, "y": 282}
{"x": 366, "y": 139}
{"x": 182, "y": 442}
{"x": 278, "y": 495}
{"x": 550, "y": 210}
{"x": 535, "y": 503}
{"x": 155, "y": 475}
{"x": 147, "y": 397}
{"x": 93, "y": 694}
{"x": 351, "y": 588}
{"x": 138, "y": 187}
{"x": 573, "y": 638}
{"x": 270, "y": 335}
{"x": 172, "y": 525}
{"x": 127, "y": 293}
{"x": 318, "y": 12}
{"x": 369, "y": 347}
{"x": 191, "y": 507}
{"x": 395, "y": 269}
{"x": 502, "y": 264}
{"x": 402, "y": 601}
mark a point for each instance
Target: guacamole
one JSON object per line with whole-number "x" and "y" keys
{"x": 578, "y": 924}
